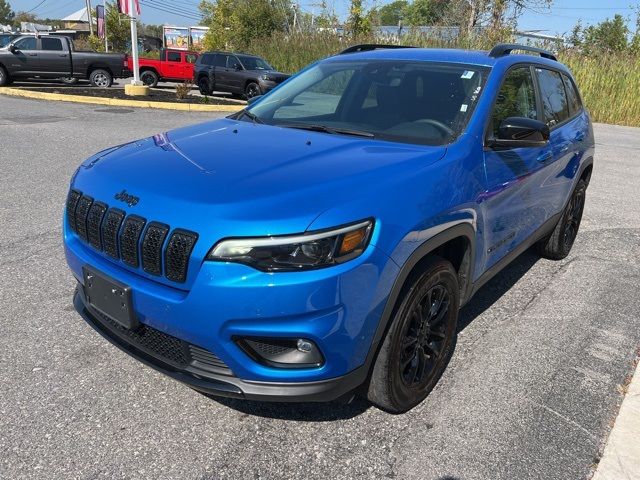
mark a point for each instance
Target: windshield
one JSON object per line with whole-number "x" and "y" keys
{"x": 254, "y": 63}
{"x": 404, "y": 101}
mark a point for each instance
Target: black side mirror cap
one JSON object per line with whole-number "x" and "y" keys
{"x": 518, "y": 132}
{"x": 12, "y": 48}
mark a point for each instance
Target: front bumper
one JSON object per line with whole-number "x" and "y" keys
{"x": 225, "y": 385}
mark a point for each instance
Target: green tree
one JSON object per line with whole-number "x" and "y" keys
{"x": 609, "y": 35}
{"x": 6, "y": 14}
{"x": 20, "y": 17}
{"x": 118, "y": 29}
{"x": 425, "y": 12}
{"x": 392, "y": 13}
{"x": 358, "y": 24}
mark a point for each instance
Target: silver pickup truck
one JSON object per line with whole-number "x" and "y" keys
{"x": 50, "y": 56}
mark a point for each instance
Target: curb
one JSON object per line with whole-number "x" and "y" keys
{"x": 621, "y": 457}
{"x": 116, "y": 102}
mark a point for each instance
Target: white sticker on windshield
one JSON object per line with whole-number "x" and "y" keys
{"x": 468, "y": 74}
{"x": 464, "y": 107}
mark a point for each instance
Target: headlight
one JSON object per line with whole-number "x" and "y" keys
{"x": 266, "y": 76}
{"x": 296, "y": 252}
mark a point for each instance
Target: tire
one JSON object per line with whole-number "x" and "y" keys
{"x": 558, "y": 245}
{"x": 204, "y": 86}
{"x": 150, "y": 78}
{"x": 252, "y": 90}
{"x": 4, "y": 77}
{"x": 419, "y": 342}
{"x": 69, "y": 80}
{"x": 101, "y": 78}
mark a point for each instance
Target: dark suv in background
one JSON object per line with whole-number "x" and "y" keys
{"x": 239, "y": 74}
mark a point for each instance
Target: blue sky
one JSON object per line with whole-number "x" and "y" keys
{"x": 559, "y": 19}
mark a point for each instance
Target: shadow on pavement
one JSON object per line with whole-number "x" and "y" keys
{"x": 327, "y": 412}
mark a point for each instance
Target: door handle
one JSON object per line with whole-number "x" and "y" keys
{"x": 580, "y": 136}
{"x": 543, "y": 157}
{"x": 564, "y": 149}
{"x": 32, "y": 54}
{"x": 62, "y": 55}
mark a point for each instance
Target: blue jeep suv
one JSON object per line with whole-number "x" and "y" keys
{"x": 320, "y": 242}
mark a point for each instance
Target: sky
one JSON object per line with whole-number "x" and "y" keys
{"x": 560, "y": 19}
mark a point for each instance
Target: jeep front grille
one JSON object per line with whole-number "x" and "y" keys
{"x": 125, "y": 237}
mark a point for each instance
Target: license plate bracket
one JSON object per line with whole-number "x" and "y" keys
{"x": 110, "y": 297}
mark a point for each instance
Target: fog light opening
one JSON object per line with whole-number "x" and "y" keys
{"x": 282, "y": 352}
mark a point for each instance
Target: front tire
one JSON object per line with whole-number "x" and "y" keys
{"x": 558, "y": 245}
{"x": 252, "y": 90}
{"x": 101, "y": 78}
{"x": 4, "y": 77}
{"x": 149, "y": 78}
{"x": 418, "y": 345}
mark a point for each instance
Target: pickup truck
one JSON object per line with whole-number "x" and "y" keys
{"x": 54, "y": 57}
{"x": 173, "y": 66}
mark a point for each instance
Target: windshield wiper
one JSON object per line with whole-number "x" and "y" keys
{"x": 252, "y": 116}
{"x": 326, "y": 129}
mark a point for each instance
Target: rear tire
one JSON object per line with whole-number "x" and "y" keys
{"x": 69, "y": 80}
{"x": 101, "y": 78}
{"x": 4, "y": 77}
{"x": 558, "y": 245}
{"x": 418, "y": 345}
{"x": 150, "y": 78}
{"x": 204, "y": 86}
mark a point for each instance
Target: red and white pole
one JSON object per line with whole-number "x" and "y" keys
{"x": 134, "y": 43}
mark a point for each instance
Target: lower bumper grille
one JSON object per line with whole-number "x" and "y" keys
{"x": 170, "y": 350}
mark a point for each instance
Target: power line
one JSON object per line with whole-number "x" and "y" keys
{"x": 37, "y": 6}
{"x": 192, "y": 16}
{"x": 172, "y": 7}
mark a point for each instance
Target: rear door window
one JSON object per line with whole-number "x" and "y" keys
{"x": 174, "y": 57}
{"x": 52, "y": 44}
{"x": 220, "y": 61}
{"x": 554, "y": 97}
{"x": 572, "y": 96}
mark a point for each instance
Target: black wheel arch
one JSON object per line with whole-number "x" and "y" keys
{"x": 98, "y": 66}
{"x": 455, "y": 244}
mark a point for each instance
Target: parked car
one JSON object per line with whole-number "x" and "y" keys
{"x": 239, "y": 74}
{"x": 321, "y": 241}
{"x": 173, "y": 66}
{"x": 31, "y": 56}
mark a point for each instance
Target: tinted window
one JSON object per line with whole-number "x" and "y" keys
{"x": 191, "y": 58}
{"x": 554, "y": 99}
{"x": 51, "y": 44}
{"x": 220, "y": 61}
{"x": 254, "y": 63}
{"x": 232, "y": 61}
{"x": 572, "y": 96}
{"x": 28, "y": 43}
{"x": 174, "y": 56}
{"x": 4, "y": 40}
{"x": 401, "y": 101}
{"x": 206, "y": 59}
{"x": 517, "y": 98}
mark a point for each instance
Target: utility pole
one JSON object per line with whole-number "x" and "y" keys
{"x": 89, "y": 16}
{"x": 106, "y": 40}
{"x": 134, "y": 44}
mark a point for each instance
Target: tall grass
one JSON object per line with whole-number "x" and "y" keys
{"x": 610, "y": 84}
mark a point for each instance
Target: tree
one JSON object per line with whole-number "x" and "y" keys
{"x": 233, "y": 24}
{"x": 609, "y": 35}
{"x": 426, "y": 12}
{"x": 6, "y": 14}
{"x": 20, "y": 17}
{"x": 358, "y": 24}
{"x": 393, "y": 13}
{"x": 118, "y": 29}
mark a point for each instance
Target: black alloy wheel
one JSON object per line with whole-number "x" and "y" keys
{"x": 252, "y": 90}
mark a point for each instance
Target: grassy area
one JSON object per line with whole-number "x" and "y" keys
{"x": 610, "y": 84}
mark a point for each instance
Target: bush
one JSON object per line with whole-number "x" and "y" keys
{"x": 183, "y": 90}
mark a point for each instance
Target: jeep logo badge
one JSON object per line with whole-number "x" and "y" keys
{"x": 127, "y": 198}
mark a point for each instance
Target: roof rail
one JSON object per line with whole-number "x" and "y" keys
{"x": 503, "y": 49}
{"x": 366, "y": 47}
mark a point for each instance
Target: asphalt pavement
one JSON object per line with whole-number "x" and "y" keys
{"x": 530, "y": 392}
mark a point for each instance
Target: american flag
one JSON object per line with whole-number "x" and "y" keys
{"x": 123, "y": 6}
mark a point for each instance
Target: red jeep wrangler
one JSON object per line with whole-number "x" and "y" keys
{"x": 173, "y": 66}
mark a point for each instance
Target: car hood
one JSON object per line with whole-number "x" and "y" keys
{"x": 240, "y": 178}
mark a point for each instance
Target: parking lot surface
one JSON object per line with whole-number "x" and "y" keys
{"x": 530, "y": 392}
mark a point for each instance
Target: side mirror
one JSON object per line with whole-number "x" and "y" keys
{"x": 12, "y": 48}
{"x": 517, "y": 132}
{"x": 253, "y": 99}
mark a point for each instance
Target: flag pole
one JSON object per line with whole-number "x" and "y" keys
{"x": 134, "y": 44}
{"x": 106, "y": 40}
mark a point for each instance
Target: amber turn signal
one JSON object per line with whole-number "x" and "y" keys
{"x": 353, "y": 240}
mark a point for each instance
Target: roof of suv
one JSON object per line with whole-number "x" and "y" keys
{"x": 500, "y": 53}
